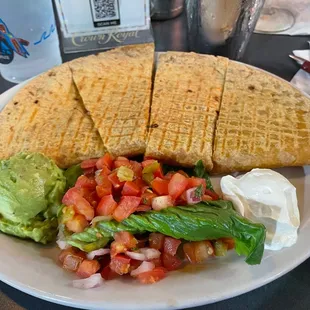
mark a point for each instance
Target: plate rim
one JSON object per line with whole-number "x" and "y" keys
{"x": 203, "y": 300}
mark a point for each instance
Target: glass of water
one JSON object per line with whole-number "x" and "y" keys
{"x": 29, "y": 41}
{"x": 222, "y": 27}
{"x": 275, "y": 19}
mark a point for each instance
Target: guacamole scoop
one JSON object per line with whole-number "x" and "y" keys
{"x": 31, "y": 189}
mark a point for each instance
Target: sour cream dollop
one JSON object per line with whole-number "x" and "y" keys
{"x": 265, "y": 196}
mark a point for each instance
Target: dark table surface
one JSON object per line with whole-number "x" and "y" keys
{"x": 269, "y": 52}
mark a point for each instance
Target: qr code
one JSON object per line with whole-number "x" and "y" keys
{"x": 105, "y": 10}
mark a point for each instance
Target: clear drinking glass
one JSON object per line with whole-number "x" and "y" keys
{"x": 29, "y": 41}
{"x": 222, "y": 27}
{"x": 274, "y": 19}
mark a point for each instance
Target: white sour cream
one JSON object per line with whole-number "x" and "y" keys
{"x": 265, "y": 196}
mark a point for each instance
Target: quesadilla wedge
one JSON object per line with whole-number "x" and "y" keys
{"x": 263, "y": 123}
{"x": 116, "y": 90}
{"x": 47, "y": 116}
{"x": 186, "y": 99}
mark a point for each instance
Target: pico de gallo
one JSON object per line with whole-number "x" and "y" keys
{"x": 113, "y": 189}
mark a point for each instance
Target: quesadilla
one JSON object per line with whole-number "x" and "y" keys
{"x": 187, "y": 94}
{"x": 116, "y": 90}
{"x": 48, "y": 116}
{"x": 263, "y": 122}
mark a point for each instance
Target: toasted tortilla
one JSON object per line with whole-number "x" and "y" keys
{"x": 116, "y": 90}
{"x": 48, "y": 116}
{"x": 263, "y": 123}
{"x": 187, "y": 95}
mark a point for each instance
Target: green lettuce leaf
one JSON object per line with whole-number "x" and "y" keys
{"x": 72, "y": 174}
{"x": 37, "y": 229}
{"x": 203, "y": 221}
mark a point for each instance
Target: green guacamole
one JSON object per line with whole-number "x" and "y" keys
{"x": 31, "y": 189}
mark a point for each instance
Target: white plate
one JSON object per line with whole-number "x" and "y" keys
{"x": 32, "y": 268}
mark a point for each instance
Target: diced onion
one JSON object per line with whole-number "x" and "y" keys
{"x": 93, "y": 281}
{"x": 144, "y": 254}
{"x": 144, "y": 267}
{"x": 190, "y": 196}
{"x": 162, "y": 202}
{"x": 98, "y": 172}
{"x": 91, "y": 255}
{"x": 61, "y": 239}
{"x": 63, "y": 245}
{"x": 150, "y": 253}
{"x": 100, "y": 218}
{"x": 136, "y": 255}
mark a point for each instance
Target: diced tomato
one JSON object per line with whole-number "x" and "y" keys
{"x": 157, "y": 262}
{"x": 140, "y": 183}
{"x": 72, "y": 261}
{"x": 160, "y": 186}
{"x": 142, "y": 242}
{"x": 126, "y": 206}
{"x": 104, "y": 261}
{"x": 148, "y": 162}
{"x": 85, "y": 182}
{"x": 62, "y": 255}
{"x": 206, "y": 198}
{"x": 183, "y": 173}
{"x": 121, "y": 158}
{"x": 108, "y": 274}
{"x": 162, "y": 202}
{"x": 134, "y": 264}
{"x": 126, "y": 238}
{"x": 120, "y": 264}
{"x": 103, "y": 191}
{"x": 100, "y": 177}
{"x": 177, "y": 185}
{"x": 122, "y": 161}
{"x": 195, "y": 182}
{"x": 81, "y": 205}
{"x": 197, "y": 252}
{"x": 77, "y": 224}
{"x": 117, "y": 184}
{"x": 137, "y": 168}
{"x": 143, "y": 208}
{"x": 87, "y": 268}
{"x": 171, "y": 262}
{"x": 104, "y": 187}
{"x": 130, "y": 189}
{"x": 212, "y": 194}
{"x": 89, "y": 163}
{"x": 147, "y": 198}
{"x": 230, "y": 243}
{"x": 152, "y": 276}
{"x": 106, "y": 206}
{"x": 106, "y": 160}
{"x": 117, "y": 248}
{"x": 171, "y": 245}
{"x": 182, "y": 199}
{"x": 89, "y": 171}
{"x": 169, "y": 175}
{"x": 91, "y": 196}
{"x": 159, "y": 173}
{"x": 71, "y": 196}
{"x": 156, "y": 241}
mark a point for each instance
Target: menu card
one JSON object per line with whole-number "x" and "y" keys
{"x": 103, "y": 24}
